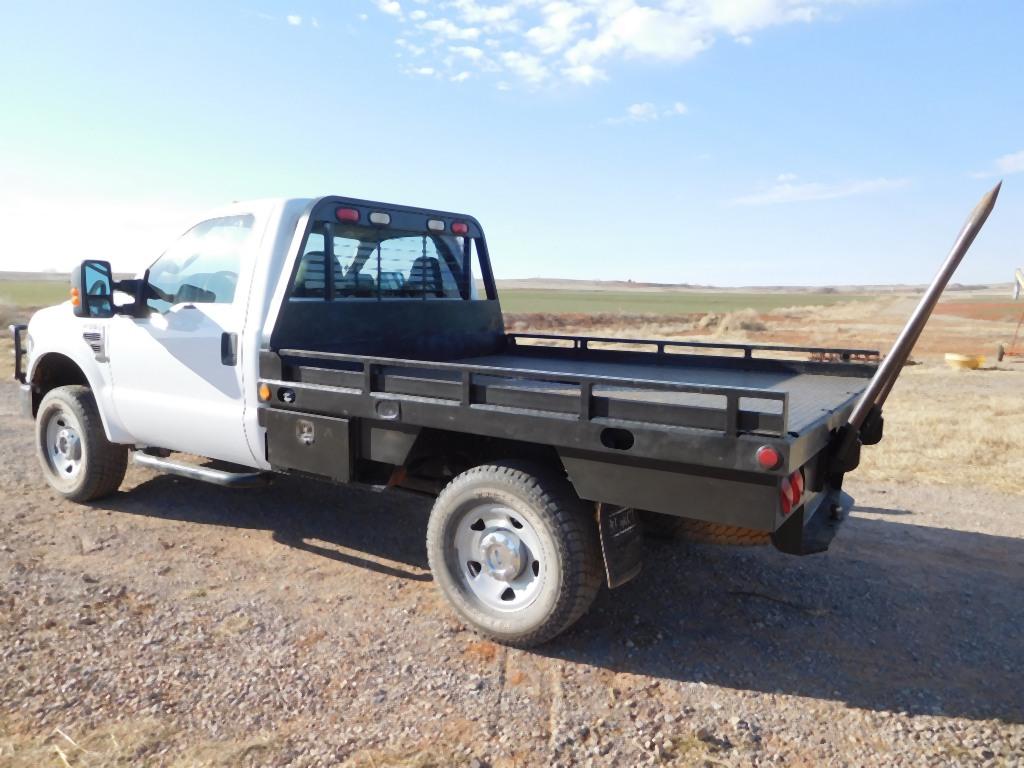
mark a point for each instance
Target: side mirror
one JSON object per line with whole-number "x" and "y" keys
{"x": 92, "y": 289}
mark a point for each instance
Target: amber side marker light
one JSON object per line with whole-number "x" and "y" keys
{"x": 76, "y": 300}
{"x": 264, "y": 392}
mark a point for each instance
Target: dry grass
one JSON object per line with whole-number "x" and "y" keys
{"x": 948, "y": 427}
{"x": 125, "y": 744}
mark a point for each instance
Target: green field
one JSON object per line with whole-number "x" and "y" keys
{"x": 554, "y": 301}
{"x": 33, "y": 293}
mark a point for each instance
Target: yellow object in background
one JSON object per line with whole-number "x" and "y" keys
{"x": 964, "y": 362}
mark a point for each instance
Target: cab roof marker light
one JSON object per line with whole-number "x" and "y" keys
{"x": 380, "y": 218}
{"x": 435, "y": 225}
{"x": 460, "y": 228}
{"x": 347, "y": 214}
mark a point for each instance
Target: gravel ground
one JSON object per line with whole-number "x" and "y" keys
{"x": 181, "y": 624}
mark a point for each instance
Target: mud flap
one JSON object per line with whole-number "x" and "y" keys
{"x": 621, "y": 543}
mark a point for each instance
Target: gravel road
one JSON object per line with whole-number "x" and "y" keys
{"x": 183, "y": 624}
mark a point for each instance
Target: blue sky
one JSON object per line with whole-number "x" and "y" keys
{"x": 732, "y": 142}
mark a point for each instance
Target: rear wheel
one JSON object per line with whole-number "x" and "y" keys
{"x": 77, "y": 459}
{"x": 514, "y": 552}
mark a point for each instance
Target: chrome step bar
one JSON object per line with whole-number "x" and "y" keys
{"x": 222, "y": 477}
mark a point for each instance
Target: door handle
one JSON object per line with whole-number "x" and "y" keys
{"x": 229, "y": 348}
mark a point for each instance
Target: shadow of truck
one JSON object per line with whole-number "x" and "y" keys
{"x": 894, "y": 617}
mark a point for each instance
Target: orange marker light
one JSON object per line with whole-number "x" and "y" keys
{"x": 264, "y": 392}
{"x": 75, "y": 299}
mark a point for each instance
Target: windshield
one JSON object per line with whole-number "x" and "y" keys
{"x": 372, "y": 263}
{"x": 202, "y": 267}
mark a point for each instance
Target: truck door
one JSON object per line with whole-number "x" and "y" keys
{"x": 177, "y": 375}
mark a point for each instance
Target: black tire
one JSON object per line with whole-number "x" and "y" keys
{"x": 100, "y": 466}
{"x": 567, "y": 567}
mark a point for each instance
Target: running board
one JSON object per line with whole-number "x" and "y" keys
{"x": 204, "y": 474}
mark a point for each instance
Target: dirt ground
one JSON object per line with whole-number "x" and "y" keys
{"x": 181, "y": 624}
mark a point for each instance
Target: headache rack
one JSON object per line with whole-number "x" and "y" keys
{"x": 570, "y": 397}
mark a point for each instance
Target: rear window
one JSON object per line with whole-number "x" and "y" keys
{"x": 370, "y": 263}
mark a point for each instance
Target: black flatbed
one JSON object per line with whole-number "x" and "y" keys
{"x": 811, "y": 395}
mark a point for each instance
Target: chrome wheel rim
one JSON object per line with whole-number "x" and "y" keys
{"x": 498, "y": 558}
{"x": 64, "y": 449}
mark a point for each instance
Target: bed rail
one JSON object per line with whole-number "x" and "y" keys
{"x": 661, "y": 346}
{"x": 477, "y": 386}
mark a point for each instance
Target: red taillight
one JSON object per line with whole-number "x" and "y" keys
{"x": 792, "y": 492}
{"x": 460, "y": 228}
{"x": 786, "y": 496}
{"x": 768, "y": 457}
{"x": 347, "y": 214}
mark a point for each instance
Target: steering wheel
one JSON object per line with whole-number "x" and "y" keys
{"x": 97, "y": 288}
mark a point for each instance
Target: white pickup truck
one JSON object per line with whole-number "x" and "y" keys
{"x": 352, "y": 341}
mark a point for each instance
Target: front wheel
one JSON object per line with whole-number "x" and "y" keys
{"x": 77, "y": 459}
{"x": 514, "y": 552}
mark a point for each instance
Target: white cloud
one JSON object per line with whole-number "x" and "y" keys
{"x": 527, "y": 66}
{"x": 461, "y": 77}
{"x": 1004, "y": 166}
{"x": 584, "y": 73}
{"x": 447, "y": 29}
{"x": 559, "y": 28}
{"x": 1012, "y": 163}
{"x": 582, "y": 40}
{"x": 787, "y": 189}
{"x": 390, "y": 7}
{"x": 470, "y": 52}
{"x": 424, "y": 71}
{"x": 415, "y": 50}
{"x": 294, "y": 21}
{"x": 647, "y": 112}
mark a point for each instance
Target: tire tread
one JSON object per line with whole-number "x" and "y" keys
{"x": 554, "y": 496}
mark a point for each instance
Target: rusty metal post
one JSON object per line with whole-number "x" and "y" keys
{"x": 881, "y": 384}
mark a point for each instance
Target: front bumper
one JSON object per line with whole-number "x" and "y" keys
{"x": 807, "y": 532}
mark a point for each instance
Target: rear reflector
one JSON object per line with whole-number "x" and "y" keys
{"x": 460, "y": 228}
{"x": 347, "y": 214}
{"x": 768, "y": 457}
{"x": 797, "y": 478}
{"x": 435, "y": 225}
{"x": 792, "y": 492}
{"x": 380, "y": 218}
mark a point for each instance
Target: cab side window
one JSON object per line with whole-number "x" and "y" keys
{"x": 203, "y": 266}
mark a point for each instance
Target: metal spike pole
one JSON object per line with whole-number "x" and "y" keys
{"x": 882, "y": 382}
